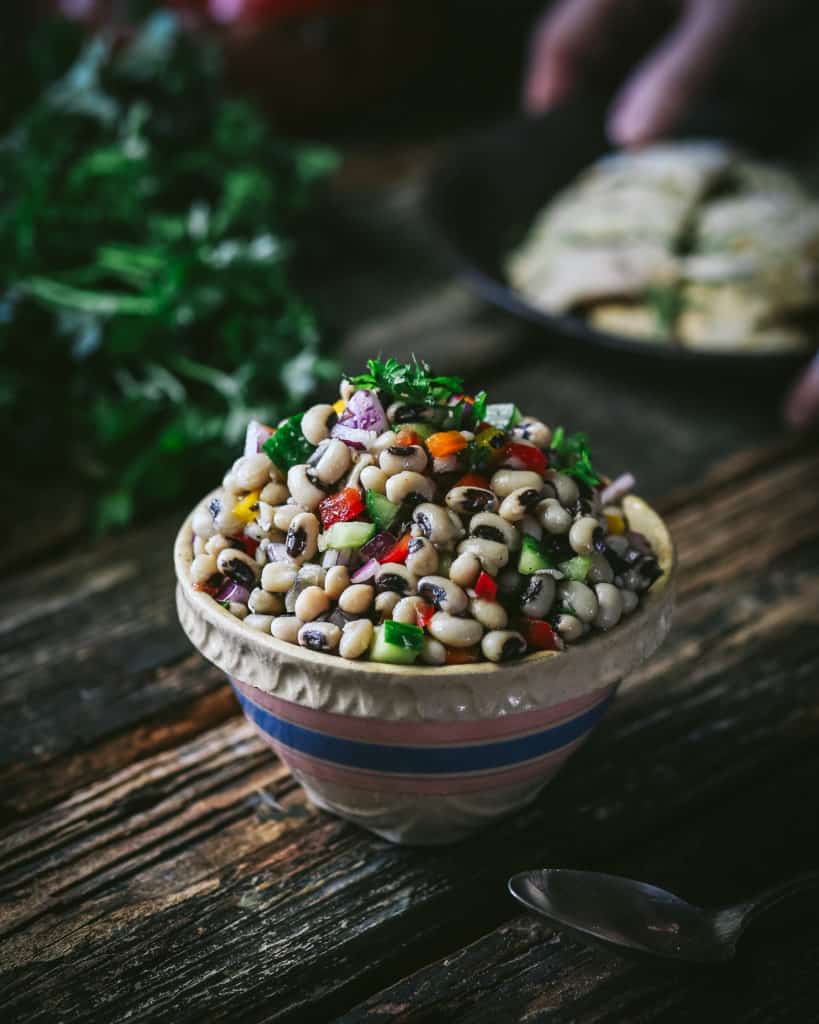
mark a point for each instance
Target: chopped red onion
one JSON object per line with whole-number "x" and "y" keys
{"x": 618, "y": 488}
{"x": 353, "y": 437}
{"x": 445, "y": 464}
{"x": 364, "y": 411}
{"x": 231, "y": 591}
{"x": 337, "y": 556}
{"x": 255, "y": 436}
{"x": 379, "y": 545}
{"x": 366, "y": 572}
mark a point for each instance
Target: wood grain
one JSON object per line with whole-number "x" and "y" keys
{"x": 178, "y": 873}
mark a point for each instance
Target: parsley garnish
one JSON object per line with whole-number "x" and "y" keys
{"x": 573, "y": 456}
{"x": 407, "y": 382}
{"x": 667, "y": 302}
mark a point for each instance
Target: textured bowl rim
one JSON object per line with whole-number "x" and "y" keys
{"x": 607, "y": 657}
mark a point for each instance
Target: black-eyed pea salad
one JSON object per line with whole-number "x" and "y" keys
{"x": 412, "y": 523}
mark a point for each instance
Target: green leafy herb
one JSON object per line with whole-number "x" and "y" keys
{"x": 667, "y": 302}
{"x": 407, "y": 382}
{"x": 147, "y": 310}
{"x": 288, "y": 446}
{"x": 479, "y": 408}
{"x": 570, "y": 454}
{"x": 403, "y": 634}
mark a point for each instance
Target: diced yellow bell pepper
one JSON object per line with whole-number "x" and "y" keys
{"x": 248, "y": 508}
{"x": 615, "y": 522}
{"x": 339, "y": 406}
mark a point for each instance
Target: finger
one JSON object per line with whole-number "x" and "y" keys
{"x": 802, "y": 404}
{"x": 566, "y": 37}
{"x": 664, "y": 87}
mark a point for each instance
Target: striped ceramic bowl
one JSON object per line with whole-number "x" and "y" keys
{"x": 416, "y": 754}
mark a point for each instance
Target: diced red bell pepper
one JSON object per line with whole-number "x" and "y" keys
{"x": 445, "y": 443}
{"x": 485, "y": 587}
{"x": 526, "y": 456}
{"x": 398, "y": 552}
{"x": 342, "y": 507}
{"x": 210, "y": 586}
{"x": 246, "y": 544}
{"x": 473, "y": 480}
{"x": 540, "y": 636}
{"x": 407, "y": 436}
{"x": 462, "y": 655}
{"x": 423, "y": 613}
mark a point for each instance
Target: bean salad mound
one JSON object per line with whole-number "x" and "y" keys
{"x": 411, "y": 522}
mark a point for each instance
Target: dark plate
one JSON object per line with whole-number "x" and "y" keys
{"x": 485, "y": 194}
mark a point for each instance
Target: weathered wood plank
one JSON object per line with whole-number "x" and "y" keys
{"x": 130, "y": 899}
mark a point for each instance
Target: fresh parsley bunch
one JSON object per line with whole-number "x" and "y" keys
{"x": 147, "y": 307}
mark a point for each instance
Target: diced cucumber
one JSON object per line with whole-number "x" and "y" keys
{"x": 532, "y": 558}
{"x": 382, "y": 511}
{"x": 348, "y": 535}
{"x": 392, "y": 654}
{"x": 502, "y": 415}
{"x": 403, "y": 634}
{"x": 576, "y": 568}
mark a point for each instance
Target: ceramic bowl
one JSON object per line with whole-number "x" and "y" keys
{"x": 417, "y": 754}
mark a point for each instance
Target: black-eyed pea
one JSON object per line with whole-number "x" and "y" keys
{"x": 406, "y": 610}
{"x": 630, "y": 601}
{"x": 259, "y": 622}
{"x": 311, "y": 603}
{"x": 503, "y": 645}
{"x": 508, "y": 580}
{"x": 553, "y": 517}
{"x": 538, "y": 595}
{"x": 261, "y": 602}
{"x": 569, "y": 627}
{"x": 333, "y": 462}
{"x": 585, "y": 534}
{"x": 356, "y": 599}
{"x": 454, "y": 631}
{"x": 238, "y": 609}
{"x": 238, "y": 566}
{"x": 274, "y": 493}
{"x": 252, "y": 471}
{"x": 284, "y": 515}
{"x": 202, "y": 522}
{"x": 409, "y": 485}
{"x": 609, "y": 606}
{"x": 217, "y": 543}
{"x": 422, "y": 557}
{"x": 336, "y": 581}
{"x": 465, "y": 569}
{"x": 385, "y": 603}
{"x": 530, "y": 527}
{"x": 491, "y": 526}
{"x": 492, "y": 555}
{"x": 302, "y": 537}
{"x": 278, "y": 577}
{"x": 530, "y": 429}
{"x": 286, "y": 628}
{"x": 517, "y": 505}
{"x": 505, "y": 481}
{"x": 599, "y": 569}
{"x": 566, "y": 489}
{"x": 433, "y": 522}
{"x": 225, "y": 520}
{"x": 396, "y": 578}
{"x": 466, "y": 501}
{"x": 433, "y": 652}
{"x": 317, "y": 423}
{"x": 374, "y": 479}
{"x": 302, "y": 489}
{"x": 200, "y": 546}
{"x": 320, "y": 636}
{"x": 399, "y": 457}
{"x": 382, "y": 442}
{"x": 490, "y": 614}
{"x": 444, "y": 594}
{"x": 356, "y": 638}
{"x": 361, "y": 461}
{"x": 203, "y": 567}
{"x": 578, "y": 599}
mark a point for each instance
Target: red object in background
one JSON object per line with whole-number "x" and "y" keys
{"x": 527, "y": 457}
{"x": 341, "y": 507}
{"x": 398, "y": 553}
{"x": 423, "y": 613}
{"x": 485, "y": 587}
{"x": 540, "y": 636}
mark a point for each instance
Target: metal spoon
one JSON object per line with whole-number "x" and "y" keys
{"x": 626, "y": 915}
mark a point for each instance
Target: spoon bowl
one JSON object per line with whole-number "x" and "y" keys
{"x": 634, "y": 917}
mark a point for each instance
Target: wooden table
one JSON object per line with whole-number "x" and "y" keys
{"x": 158, "y": 863}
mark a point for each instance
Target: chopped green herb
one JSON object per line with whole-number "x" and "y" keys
{"x": 667, "y": 302}
{"x": 407, "y": 382}
{"x": 402, "y": 634}
{"x": 569, "y": 454}
{"x": 288, "y": 446}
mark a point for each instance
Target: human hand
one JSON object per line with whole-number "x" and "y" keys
{"x": 571, "y": 41}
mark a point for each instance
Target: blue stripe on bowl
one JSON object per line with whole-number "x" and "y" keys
{"x": 422, "y": 760}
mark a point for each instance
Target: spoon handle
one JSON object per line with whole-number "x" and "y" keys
{"x": 777, "y": 894}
